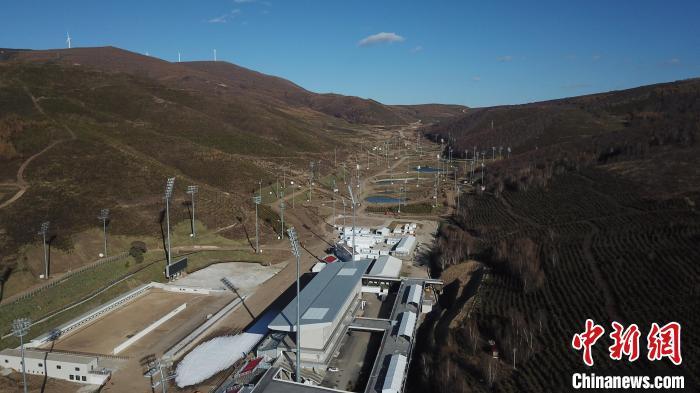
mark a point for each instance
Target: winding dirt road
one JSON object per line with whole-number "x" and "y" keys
{"x": 21, "y": 183}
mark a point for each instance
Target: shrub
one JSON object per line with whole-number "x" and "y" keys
{"x": 137, "y": 250}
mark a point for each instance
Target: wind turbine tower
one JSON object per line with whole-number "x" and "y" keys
{"x": 68, "y": 40}
{"x": 214, "y": 54}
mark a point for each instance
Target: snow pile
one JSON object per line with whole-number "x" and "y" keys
{"x": 220, "y": 353}
{"x": 213, "y": 356}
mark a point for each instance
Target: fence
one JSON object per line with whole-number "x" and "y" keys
{"x": 64, "y": 277}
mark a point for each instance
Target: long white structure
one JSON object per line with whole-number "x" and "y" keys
{"x": 414, "y": 294}
{"x": 407, "y": 324}
{"x": 75, "y": 368}
{"x": 395, "y": 374}
{"x": 90, "y": 316}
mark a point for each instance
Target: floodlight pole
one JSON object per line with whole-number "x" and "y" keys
{"x": 168, "y": 195}
{"x": 282, "y": 207}
{"x": 42, "y": 232}
{"x": 193, "y": 190}
{"x": 343, "y": 199}
{"x": 352, "y": 200}
{"x": 294, "y": 241}
{"x": 104, "y": 216}
{"x": 20, "y": 328}
{"x": 256, "y": 200}
{"x": 335, "y": 190}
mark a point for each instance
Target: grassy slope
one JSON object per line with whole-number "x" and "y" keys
{"x": 132, "y": 132}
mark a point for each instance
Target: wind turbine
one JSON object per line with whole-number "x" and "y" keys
{"x": 68, "y": 39}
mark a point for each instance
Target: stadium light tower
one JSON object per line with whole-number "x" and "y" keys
{"x": 257, "y": 199}
{"x": 192, "y": 190}
{"x": 43, "y": 231}
{"x": 20, "y": 328}
{"x": 335, "y": 190}
{"x": 169, "y": 185}
{"x": 294, "y": 241}
{"x": 343, "y": 200}
{"x": 104, "y": 217}
{"x": 352, "y": 200}
{"x": 283, "y": 205}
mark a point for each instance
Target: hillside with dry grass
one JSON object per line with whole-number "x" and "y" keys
{"x": 89, "y": 128}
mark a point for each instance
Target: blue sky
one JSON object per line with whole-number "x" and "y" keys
{"x": 463, "y": 52}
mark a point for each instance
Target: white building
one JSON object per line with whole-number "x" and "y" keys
{"x": 393, "y": 380}
{"x": 75, "y": 368}
{"x": 327, "y": 304}
{"x": 386, "y": 266}
{"x": 405, "y": 246}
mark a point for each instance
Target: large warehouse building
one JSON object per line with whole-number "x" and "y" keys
{"x": 327, "y": 305}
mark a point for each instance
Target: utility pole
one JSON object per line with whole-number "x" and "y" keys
{"x": 20, "y": 328}
{"x": 104, "y": 217}
{"x": 294, "y": 241}
{"x": 169, "y": 185}
{"x": 192, "y": 190}
{"x": 43, "y": 231}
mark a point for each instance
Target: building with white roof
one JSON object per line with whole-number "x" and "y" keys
{"x": 395, "y": 374}
{"x": 327, "y": 305}
{"x": 75, "y": 368}
{"x": 386, "y": 266}
{"x": 406, "y": 246}
{"x": 407, "y": 324}
{"x": 414, "y": 294}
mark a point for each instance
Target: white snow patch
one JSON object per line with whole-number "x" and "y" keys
{"x": 213, "y": 356}
{"x": 220, "y": 353}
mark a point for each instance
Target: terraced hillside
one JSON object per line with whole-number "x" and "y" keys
{"x": 593, "y": 216}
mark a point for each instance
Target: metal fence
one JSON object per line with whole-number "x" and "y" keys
{"x": 67, "y": 276}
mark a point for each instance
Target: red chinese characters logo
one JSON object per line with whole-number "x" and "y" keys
{"x": 625, "y": 341}
{"x": 587, "y": 339}
{"x": 665, "y": 342}
{"x": 662, "y": 342}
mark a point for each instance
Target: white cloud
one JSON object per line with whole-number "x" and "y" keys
{"x": 673, "y": 61}
{"x": 219, "y": 19}
{"x": 244, "y": 1}
{"x": 506, "y": 58}
{"x": 596, "y": 57}
{"x": 416, "y": 49}
{"x": 225, "y": 17}
{"x": 476, "y": 78}
{"x": 380, "y": 38}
